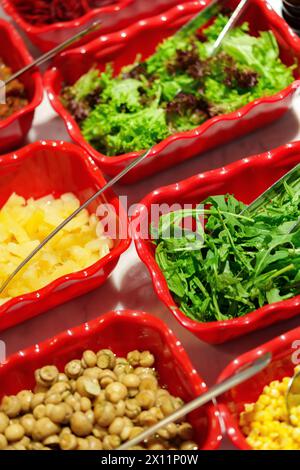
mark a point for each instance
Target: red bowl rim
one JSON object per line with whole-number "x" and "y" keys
{"x": 97, "y": 325}
{"x": 81, "y": 21}
{"x": 274, "y": 346}
{"x": 186, "y": 186}
{"x": 154, "y": 22}
{"x": 18, "y": 44}
{"x": 81, "y": 275}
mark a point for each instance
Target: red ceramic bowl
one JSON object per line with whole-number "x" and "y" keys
{"x": 286, "y": 355}
{"x": 262, "y": 171}
{"x": 142, "y": 38}
{"x": 122, "y": 331}
{"x": 114, "y": 17}
{"x": 14, "y": 129}
{"x": 55, "y": 168}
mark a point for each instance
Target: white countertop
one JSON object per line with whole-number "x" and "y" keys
{"x": 130, "y": 286}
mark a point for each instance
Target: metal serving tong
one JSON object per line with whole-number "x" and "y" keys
{"x": 189, "y": 28}
{"x": 247, "y": 372}
{"x": 289, "y": 178}
{"x": 53, "y": 52}
{"x": 293, "y": 394}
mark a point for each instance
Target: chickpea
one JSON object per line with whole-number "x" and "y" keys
{"x": 147, "y": 359}
{"x": 111, "y": 442}
{"x": 65, "y": 430}
{"x": 51, "y": 441}
{"x": 3, "y": 442}
{"x": 132, "y": 393}
{"x": 62, "y": 378}
{"x": 188, "y": 445}
{"x": 73, "y": 385}
{"x": 37, "y": 399}
{"x": 89, "y": 359}
{"x": 135, "y": 431}
{"x": 18, "y": 446}
{"x": 122, "y": 367}
{"x": 125, "y": 433}
{"x": 100, "y": 398}
{"x": 4, "y": 422}
{"x": 36, "y": 446}
{"x": 116, "y": 426}
{"x": 54, "y": 399}
{"x": 133, "y": 358}
{"x": 59, "y": 388}
{"x": 82, "y": 444}
{"x": 162, "y": 393}
{"x": 107, "y": 377}
{"x": 94, "y": 443}
{"x": 146, "y": 399}
{"x": 115, "y": 392}
{"x": 156, "y": 446}
{"x": 69, "y": 412}
{"x": 85, "y": 404}
{"x": 39, "y": 380}
{"x": 93, "y": 373}
{"x": 130, "y": 381}
{"x": 99, "y": 431}
{"x": 146, "y": 419}
{"x": 28, "y": 422}
{"x": 14, "y": 432}
{"x": 169, "y": 432}
{"x": 177, "y": 403}
{"x": 87, "y": 387}
{"x": 11, "y": 406}
{"x": 49, "y": 374}
{"x": 132, "y": 408}
{"x": 73, "y": 369}
{"x": 73, "y": 403}
{"x": 167, "y": 406}
{"x": 120, "y": 408}
{"x": 40, "y": 389}
{"x": 44, "y": 428}
{"x": 25, "y": 441}
{"x": 105, "y": 414}
{"x": 90, "y": 416}
{"x": 106, "y": 359}
{"x": 65, "y": 395}
{"x": 57, "y": 413}
{"x": 144, "y": 372}
{"x": 185, "y": 431}
{"x": 25, "y": 398}
{"x": 80, "y": 424}
{"x": 39, "y": 411}
{"x": 157, "y": 413}
{"x": 68, "y": 441}
{"x": 149, "y": 383}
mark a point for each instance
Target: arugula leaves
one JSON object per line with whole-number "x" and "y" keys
{"x": 238, "y": 263}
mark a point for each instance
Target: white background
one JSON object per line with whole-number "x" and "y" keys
{"x": 130, "y": 286}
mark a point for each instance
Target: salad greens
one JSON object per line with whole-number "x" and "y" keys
{"x": 176, "y": 89}
{"x": 239, "y": 263}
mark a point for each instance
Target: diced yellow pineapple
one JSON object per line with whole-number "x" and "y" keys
{"x": 24, "y": 224}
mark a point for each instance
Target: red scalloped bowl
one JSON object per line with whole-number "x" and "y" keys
{"x": 246, "y": 180}
{"x": 121, "y": 331}
{"x": 14, "y": 129}
{"x": 56, "y": 168}
{"x": 285, "y": 351}
{"x": 114, "y": 17}
{"x": 142, "y": 38}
